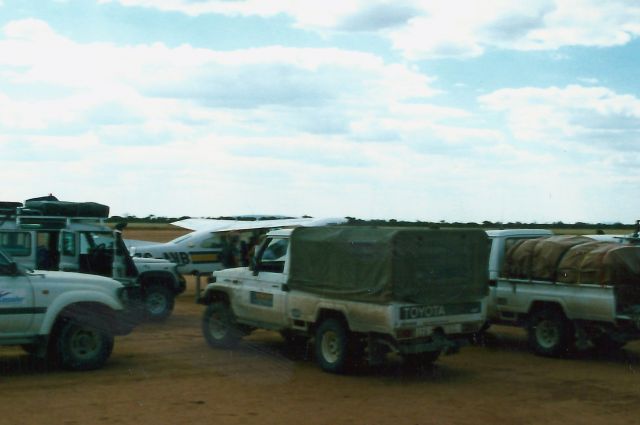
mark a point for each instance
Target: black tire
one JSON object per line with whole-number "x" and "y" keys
{"x": 332, "y": 346}
{"x": 550, "y": 333}
{"x": 421, "y": 360}
{"x": 158, "y": 303}
{"x": 219, "y": 326}
{"x": 82, "y": 346}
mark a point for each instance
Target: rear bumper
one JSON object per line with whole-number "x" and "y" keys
{"x": 447, "y": 344}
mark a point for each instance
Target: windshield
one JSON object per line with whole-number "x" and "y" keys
{"x": 89, "y": 241}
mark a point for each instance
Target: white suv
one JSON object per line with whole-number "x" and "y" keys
{"x": 70, "y": 318}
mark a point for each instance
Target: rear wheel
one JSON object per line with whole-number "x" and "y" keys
{"x": 550, "y": 333}
{"x": 158, "y": 302}
{"x": 81, "y": 346}
{"x": 332, "y": 346}
{"x": 219, "y": 327}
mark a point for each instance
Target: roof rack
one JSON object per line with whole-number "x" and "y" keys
{"x": 54, "y": 222}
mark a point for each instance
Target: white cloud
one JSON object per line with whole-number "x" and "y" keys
{"x": 445, "y": 28}
{"x": 187, "y": 84}
{"x": 586, "y": 117}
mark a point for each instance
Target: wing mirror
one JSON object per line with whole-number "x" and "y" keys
{"x": 10, "y": 269}
{"x": 254, "y": 266}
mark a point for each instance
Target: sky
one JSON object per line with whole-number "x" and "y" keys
{"x": 453, "y": 110}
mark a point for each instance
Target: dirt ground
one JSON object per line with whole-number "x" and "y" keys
{"x": 166, "y": 374}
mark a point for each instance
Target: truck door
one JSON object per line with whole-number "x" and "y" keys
{"x": 262, "y": 293}
{"x": 16, "y": 300}
{"x": 67, "y": 246}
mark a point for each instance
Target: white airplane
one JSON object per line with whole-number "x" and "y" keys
{"x": 217, "y": 244}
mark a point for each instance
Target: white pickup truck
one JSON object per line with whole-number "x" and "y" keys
{"x": 69, "y": 317}
{"x": 361, "y": 292}
{"x": 568, "y": 292}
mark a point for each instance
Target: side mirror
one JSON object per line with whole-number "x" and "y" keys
{"x": 254, "y": 266}
{"x": 10, "y": 269}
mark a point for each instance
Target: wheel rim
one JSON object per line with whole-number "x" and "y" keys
{"x": 331, "y": 350}
{"x": 547, "y": 334}
{"x": 217, "y": 327}
{"x": 156, "y": 303}
{"x": 85, "y": 343}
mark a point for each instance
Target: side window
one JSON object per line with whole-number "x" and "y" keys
{"x": 212, "y": 242}
{"x": 16, "y": 244}
{"x": 510, "y": 242}
{"x": 273, "y": 256}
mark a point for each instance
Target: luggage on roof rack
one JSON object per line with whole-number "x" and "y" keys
{"x": 65, "y": 209}
{"x": 9, "y": 207}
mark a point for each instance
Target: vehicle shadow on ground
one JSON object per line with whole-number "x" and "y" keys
{"x": 393, "y": 367}
{"x": 517, "y": 343}
{"x": 23, "y": 364}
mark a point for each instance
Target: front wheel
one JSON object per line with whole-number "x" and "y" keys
{"x": 81, "y": 346}
{"x": 219, "y": 326}
{"x": 550, "y": 333}
{"x": 158, "y": 303}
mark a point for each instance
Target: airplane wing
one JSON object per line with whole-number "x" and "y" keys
{"x": 204, "y": 223}
{"x": 129, "y": 243}
{"x": 214, "y": 225}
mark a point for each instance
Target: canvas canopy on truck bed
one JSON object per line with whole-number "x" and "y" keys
{"x": 378, "y": 264}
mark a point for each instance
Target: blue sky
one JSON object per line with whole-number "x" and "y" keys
{"x": 452, "y": 110}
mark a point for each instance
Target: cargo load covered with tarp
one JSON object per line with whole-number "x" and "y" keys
{"x": 538, "y": 259}
{"x": 65, "y": 209}
{"x": 378, "y": 264}
{"x": 573, "y": 259}
{"x": 603, "y": 263}
{"x": 9, "y": 208}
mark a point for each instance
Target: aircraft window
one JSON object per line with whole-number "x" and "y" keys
{"x": 17, "y": 244}
{"x": 181, "y": 239}
{"x": 213, "y": 242}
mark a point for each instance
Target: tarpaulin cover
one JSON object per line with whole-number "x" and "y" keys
{"x": 381, "y": 264}
{"x": 573, "y": 259}
{"x": 602, "y": 263}
{"x": 539, "y": 258}
{"x": 67, "y": 209}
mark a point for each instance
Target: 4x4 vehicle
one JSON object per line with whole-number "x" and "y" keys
{"x": 70, "y": 317}
{"x": 569, "y": 292}
{"x": 360, "y": 292}
{"x": 69, "y": 236}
